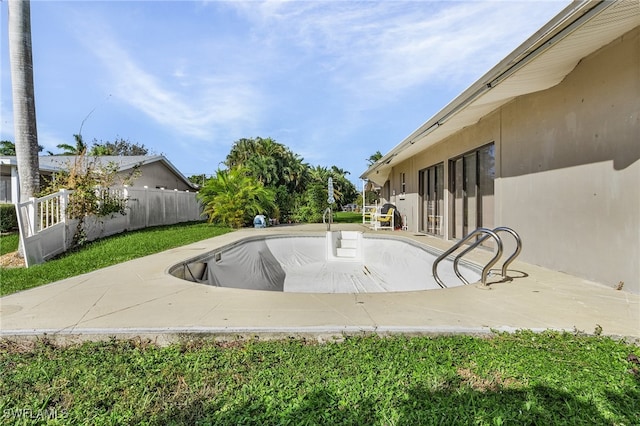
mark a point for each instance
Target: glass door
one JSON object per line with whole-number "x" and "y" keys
{"x": 472, "y": 187}
{"x": 432, "y": 199}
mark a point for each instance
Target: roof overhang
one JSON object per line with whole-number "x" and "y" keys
{"x": 541, "y": 62}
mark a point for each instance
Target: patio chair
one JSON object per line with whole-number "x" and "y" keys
{"x": 384, "y": 220}
{"x": 369, "y": 215}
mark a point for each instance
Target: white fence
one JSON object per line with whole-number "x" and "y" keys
{"x": 45, "y": 231}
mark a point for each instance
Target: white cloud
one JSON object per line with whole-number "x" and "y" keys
{"x": 190, "y": 105}
{"x": 389, "y": 47}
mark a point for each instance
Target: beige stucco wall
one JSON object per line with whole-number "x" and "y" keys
{"x": 156, "y": 175}
{"x": 570, "y": 177}
{"x": 567, "y": 168}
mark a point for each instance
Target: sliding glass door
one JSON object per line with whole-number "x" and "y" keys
{"x": 432, "y": 196}
{"x": 472, "y": 187}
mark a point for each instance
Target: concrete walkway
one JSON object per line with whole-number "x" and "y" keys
{"x": 139, "y": 299}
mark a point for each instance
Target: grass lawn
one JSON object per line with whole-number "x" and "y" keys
{"x": 522, "y": 378}
{"x": 105, "y": 252}
{"x": 347, "y": 217}
{"x": 8, "y": 243}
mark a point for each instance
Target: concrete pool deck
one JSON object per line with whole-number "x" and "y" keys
{"x": 139, "y": 299}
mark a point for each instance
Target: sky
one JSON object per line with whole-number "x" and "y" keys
{"x": 333, "y": 80}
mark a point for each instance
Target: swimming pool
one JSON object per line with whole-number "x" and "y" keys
{"x": 338, "y": 262}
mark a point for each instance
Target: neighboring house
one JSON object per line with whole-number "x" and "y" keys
{"x": 155, "y": 172}
{"x": 547, "y": 143}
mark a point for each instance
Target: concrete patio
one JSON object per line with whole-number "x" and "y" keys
{"x": 139, "y": 299}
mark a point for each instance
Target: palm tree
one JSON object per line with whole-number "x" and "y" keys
{"x": 373, "y": 158}
{"x": 24, "y": 109}
{"x": 233, "y": 198}
{"x": 241, "y": 151}
{"x": 99, "y": 150}
{"x": 78, "y": 149}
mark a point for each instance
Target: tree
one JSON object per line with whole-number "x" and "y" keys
{"x": 120, "y": 147}
{"x": 80, "y": 148}
{"x": 241, "y": 151}
{"x": 24, "y": 109}
{"x": 373, "y": 158}
{"x": 233, "y": 197}
{"x": 198, "y": 179}
{"x": 273, "y": 164}
{"x": 9, "y": 148}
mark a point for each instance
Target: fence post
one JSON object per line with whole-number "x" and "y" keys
{"x": 164, "y": 205}
{"x": 32, "y": 216}
{"x": 64, "y": 202}
{"x": 177, "y": 201}
{"x": 125, "y": 197}
{"x": 146, "y": 206}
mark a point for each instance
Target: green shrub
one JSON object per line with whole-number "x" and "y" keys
{"x": 8, "y": 220}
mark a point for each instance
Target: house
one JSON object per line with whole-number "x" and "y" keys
{"x": 547, "y": 142}
{"x": 155, "y": 172}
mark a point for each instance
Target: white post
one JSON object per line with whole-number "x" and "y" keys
{"x": 15, "y": 185}
{"x": 146, "y": 206}
{"x": 164, "y": 206}
{"x": 31, "y": 215}
{"x": 64, "y": 201}
{"x": 364, "y": 204}
{"x": 176, "y": 197}
{"x": 125, "y": 197}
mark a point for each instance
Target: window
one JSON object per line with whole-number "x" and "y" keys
{"x": 404, "y": 184}
{"x": 472, "y": 189}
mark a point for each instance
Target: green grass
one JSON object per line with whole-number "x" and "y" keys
{"x": 347, "y": 217}
{"x": 521, "y": 378}
{"x": 8, "y": 243}
{"x": 106, "y": 252}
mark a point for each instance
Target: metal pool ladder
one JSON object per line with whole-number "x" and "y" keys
{"x": 486, "y": 233}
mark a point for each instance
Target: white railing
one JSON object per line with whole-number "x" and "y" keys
{"x": 46, "y": 231}
{"x": 50, "y": 210}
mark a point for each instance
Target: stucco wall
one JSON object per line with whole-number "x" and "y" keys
{"x": 570, "y": 177}
{"x": 567, "y": 168}
{"x": 156, "y": 175}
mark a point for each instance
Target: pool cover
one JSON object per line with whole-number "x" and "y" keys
{"x": 299, "y": 264}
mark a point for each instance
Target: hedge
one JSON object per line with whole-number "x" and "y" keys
{"x": 8, "y": 220}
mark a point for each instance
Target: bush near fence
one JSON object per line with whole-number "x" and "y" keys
{"x": 8, "y": 219}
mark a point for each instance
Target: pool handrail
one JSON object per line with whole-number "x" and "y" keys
{"x": 324, "y": 217}
{"x": 485, "y": 271}
{"x": 506, "y": 263}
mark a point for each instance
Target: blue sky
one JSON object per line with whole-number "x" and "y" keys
{"x": 335, "y": 81}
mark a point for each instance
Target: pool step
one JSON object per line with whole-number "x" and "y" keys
{"x": 346, "y": 252}
{"x": 344, "y": 245}
{"x": 350, "y": 244}
{"x": 347, "y": 244}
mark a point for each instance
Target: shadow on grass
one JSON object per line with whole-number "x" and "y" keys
{"x": 457, "y": 405}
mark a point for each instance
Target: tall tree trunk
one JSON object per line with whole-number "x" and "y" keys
{"x": 24, "y": 109}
